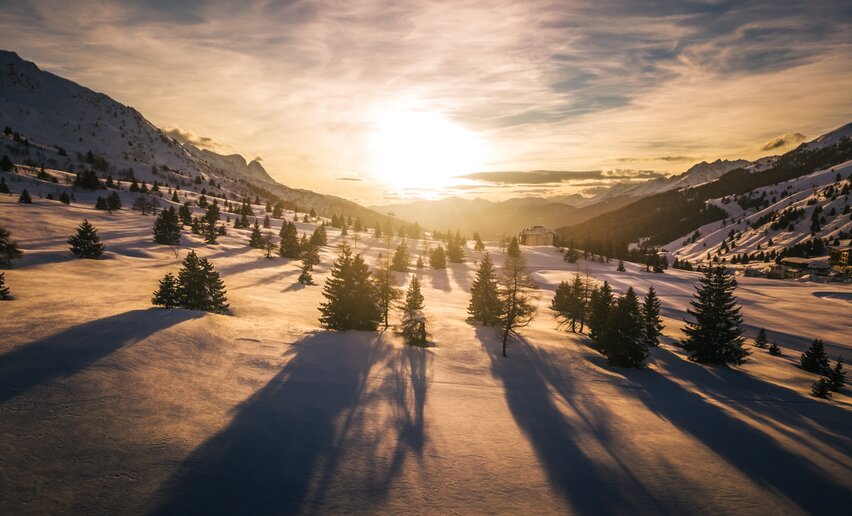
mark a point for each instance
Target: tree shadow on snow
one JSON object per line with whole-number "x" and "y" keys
{"x": 753, "y": 451}
{"x": 440, "y": 280}
{"x": 585, "y": 483}
{"x": 290, "y": 444}
{"x": 74, "y": 349}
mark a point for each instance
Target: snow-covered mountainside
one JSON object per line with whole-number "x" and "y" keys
{"x": 767, "y": 220}
{"x": 57, "y": 124}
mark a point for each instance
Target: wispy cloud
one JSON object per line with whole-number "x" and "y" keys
{"x": 784, "y": 140}
{"x": 551, "y": 85}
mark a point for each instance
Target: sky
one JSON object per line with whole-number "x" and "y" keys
{"x": 380, "y": 101}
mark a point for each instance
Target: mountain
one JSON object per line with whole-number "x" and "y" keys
{"x": 62, "y": 125}
{"x": 674, "y": 215}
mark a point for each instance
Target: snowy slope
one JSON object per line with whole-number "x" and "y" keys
{"x": 755, "y": 227}
{"x": 108, "y": 405}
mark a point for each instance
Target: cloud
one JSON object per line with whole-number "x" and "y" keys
{"x": 657, "y": 158}
{"x": 535, "y": 177}
{"x": 785, "y": 140}
{"x": 187, "y": 136}
{"x": 356, "y": 179}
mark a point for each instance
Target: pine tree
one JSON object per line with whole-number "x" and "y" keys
{"x": 209, "y": 231}
{"x": 25, "y": 197}
{"x": 420, "y": 264}
{"x": 484, "y": 305}
{"x": 570, "y": 303}
{"x": 814, "y": 359}
{"x": 166, "y": 294}
{"x": 514, "y": 250}
{"x": 478, "y": 244}
{"x": 167, "y": 227}
{"x": 761, "y": 341}
{"x": 516, "y": 299}
{"x": 199, "y": 286}
{"x": 4, "y": 290}
{"x": 185, "y": 214}
{"x": 289, "y": 246}
{"x": 821, "y": 388}
{"x": 64, "y": 198}
{"x": 86, "y": 243}
{"x": 401, "y": 258}
{"x": 388, "y": 294}
{"x": 715, "y": 334}
{"x": 652, "y": 323}
{"x": 620, "y": 267}
{"x": 6, "y": 164}
{"x": 113, "y": 202}
{"x": 9, "y": 249}
{"x": 4, "y": 188}
{"x": 455, "y": 248}
{"x": 600, "y": 304}
{"x": 837, "y": 376}
{"x": 256, "y": 238}
{"x": 774, "y": 350}
{"x": 310, "y": 255}
{"x": 319, "y": 237}
{"x": 438, "y": 258}
{"x": 352, "y": 300}
{"x": 413, "y": 319}
{"x": 305, "y": 277}
{"x": 266, "y": 222}
{"x": 626, "y": 346}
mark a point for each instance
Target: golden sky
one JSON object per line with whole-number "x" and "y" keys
{"x": 373, "y": 100}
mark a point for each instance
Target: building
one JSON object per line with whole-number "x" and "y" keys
{"x": 794, "y": 267}
{"x": 537, "y": 235}
{"x": 840, "y": 257}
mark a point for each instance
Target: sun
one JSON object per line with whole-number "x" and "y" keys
{"x": 423, "y": 150}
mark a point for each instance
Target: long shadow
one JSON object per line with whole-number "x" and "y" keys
{"x": 282, "y": 438}
{"x": 754, "y": 452}
{"x": 440, "y": 281}
{"x": 584, "y": 483}
{"x": 72, "y": 350}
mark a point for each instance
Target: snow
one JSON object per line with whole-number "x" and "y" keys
{"x": 108, "y": 405}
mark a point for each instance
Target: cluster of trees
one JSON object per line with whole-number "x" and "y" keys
{"x": 110, "y": 203}
{"x": 814, "y": 360}
{"x": 196, "y": 287}
{"x": 9, "y": 251}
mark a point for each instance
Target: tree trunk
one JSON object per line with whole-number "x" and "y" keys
{"x": 505, "y": 338}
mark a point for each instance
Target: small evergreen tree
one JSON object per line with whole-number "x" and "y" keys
{"x": 715, "y": 334}
{"x": 438, "y": 258}
{"x": 9, "y": 249}
{"x": 305, "y": 277}
{"x": 289, "y": 246}
{"x": 761, "y": 341}
{"x": 774, "y": 350}
{"x": 6, "y": 164}
{"x": 821, "y": 388}
{"x": 185, "y": 214}
{"x": 413, "y": 328}
{"x": 652, "y": 323}
{"x": 199, "y": 286}
{"x": 64, "y": 198}
{"x": 167, "y": 227}
{"x": 166, "y": 294}
{"x": 814, "y": 359}
{"x": 319, "y": 237}
{"x": 25, "y": 198}
{"x": 626, "y": 346}
{"x": 401, "y": 258}
{"x": 516, "y": 299}
{"x": 455, "y": 248}
{"x": 600, "y": 304}
{"x": 837, "y": 376}
{"x": 514, "y": 250}
{"x": 388, "y": 294}
{"x": 478, "y": 245}
{"x": 4, "y": 188}
{"x": 256, "y": 238}
{"x": 113, "y": 202}
{"x": 4, "y": 290}
{"x": 420, "y": 264}
{"x": 86, "y": 243}
{"x": 484, "y": 305}
{"x": 620, "y": 267}
{"x": 352, "y": 300}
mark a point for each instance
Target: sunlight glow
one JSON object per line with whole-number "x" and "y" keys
{"x": 416, "y": 149}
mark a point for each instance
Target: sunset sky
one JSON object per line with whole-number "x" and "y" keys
{"x": 374, "y": 100}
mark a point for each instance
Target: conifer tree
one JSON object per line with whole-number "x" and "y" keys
{"x": 388, "y": 294}
{"x": 514, "y": 249}
{"x": 413, "y": 328}
{"x": 310, "y": 255}
{"x": 289, "y": 246}
{"x": 4, "y": 290}
{"x": 821, "y": 388}
{"x": 175, "y": 197}
{"x": 620, "y": 267}
{"x": 113, "y": 202}
{"x": 600, "y": 305}
{"x": 401, "y": 258}
{"x": 420, "y": 262}
{"x": 199, "y": 287}
{"x": 455, "y": 248}
{"x": 64, "y": 198}
{"x": 478, "y": 244}
{"x": 86, "y": 243}
{"x": 209, "y": 231}
{"x": 185, "y": 214}
{"x": 25, "y": 198}
{"x": 774, "y": 350}
{"x": 305, "y": 277}
{"x": 277, "y": 210}
{"x": 256, "y": 238}
{"x": 167, "y": 227}
{"x": 836, "y": 376}
{"x": 714, "y": 335}
{"x": 516, "y": 298}
{"x": 626, "y": 345}
{"x": 4, "y": 188}
{"x": 6, "y": 164}
{"x": 166, "y": 294}
{"x": 266, "y": 222}
{"x": 761, "y": 341}
{"x": 319, "y": 237}
{"x": 352, "y": 300}
{"x": 652, "y": 323}
{"x": 814, "y": 359}
{"x": 9, "y": 249}
{"x": 438, "y": 258}
{"x": 484, "y": 305}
